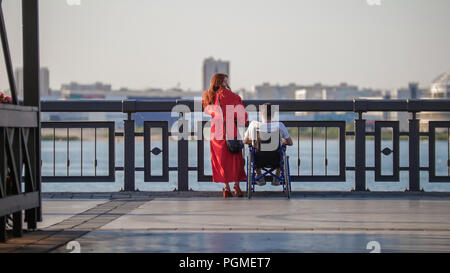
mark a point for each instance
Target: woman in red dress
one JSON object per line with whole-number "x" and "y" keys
{"x": 226, "y": 166}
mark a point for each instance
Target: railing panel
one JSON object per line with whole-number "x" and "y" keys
{"x": 162, "y": 150}
{"x": 381, "y": 153}
{"x": 88, "y": 154}
{"x": 433, "y": 127}
{"x": 327, "y": 127}
{"x": 201, "y": 176}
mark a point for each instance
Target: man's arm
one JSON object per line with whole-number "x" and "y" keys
{"x": 248, "y": 133}
{"x": 287, "y": 142}
{"x": 285, "y": 137}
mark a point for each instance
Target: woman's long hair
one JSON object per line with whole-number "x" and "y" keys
{"x": 216, "y": 84}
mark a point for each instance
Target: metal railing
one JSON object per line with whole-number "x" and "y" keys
{"x": 20, "y": 131}
{"x": 360, "y": 135}
{"x": 19, "y": 126}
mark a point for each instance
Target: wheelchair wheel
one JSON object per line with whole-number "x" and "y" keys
{"x": 249, "y": 177}
{"x": 289, "y": 177}
{"x": 287, "y": 184}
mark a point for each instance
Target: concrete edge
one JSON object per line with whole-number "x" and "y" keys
{"x": 215, "y": 194}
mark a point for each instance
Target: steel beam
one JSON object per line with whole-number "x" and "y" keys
{"x": 15, "y": 203}
{"x": 31, "y": 96}
{"x": 7, "y": 57}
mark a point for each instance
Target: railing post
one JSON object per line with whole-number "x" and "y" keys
{"x": 183, "y": 155}
{"x": 31, "y": 97}
{"x": 129, "y": 107}
{"x": 360, "y": 154}
{"x": 360, "y": 146}
{"x": 2, "y": 229}
{"x": 17, "y": 149}
{"x": 414, "y": 153}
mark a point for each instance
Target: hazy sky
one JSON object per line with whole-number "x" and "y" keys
{"x": 159, "y": 43}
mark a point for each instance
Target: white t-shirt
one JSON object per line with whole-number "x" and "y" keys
{"x": 266, "y": 127}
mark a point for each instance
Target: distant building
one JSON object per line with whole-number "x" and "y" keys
{"x": 412, "y": 92}
{"x": 307, "y": 94}
{"x": 440, "y": 87}
{"x": 342, "y": 91}
{"x": 211, "y": 67}
{"x": 44, "y": 81}
{"x": 97, "y": 86}
{"x": 269, "y": 91}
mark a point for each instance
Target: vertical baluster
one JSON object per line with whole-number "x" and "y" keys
{"x": 67, "y": 153}
{"x": 448, "y": 151}
{"x": 95, "y": 151}
{"x": 81, "y": 151}
{"x": 54, "y": 152}
{"x": 326, "y": 151}
{"x": 312, "y": 150}
{"x": 298, "y": 150}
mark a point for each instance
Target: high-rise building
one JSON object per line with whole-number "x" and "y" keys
{"x": 44, "y": 81}
{"x": 211, "y": 67}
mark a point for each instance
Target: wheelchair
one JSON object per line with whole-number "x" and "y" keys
{"x": 269, "y": 161}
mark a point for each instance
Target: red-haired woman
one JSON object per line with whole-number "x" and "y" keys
{"x": 226, "y": 166}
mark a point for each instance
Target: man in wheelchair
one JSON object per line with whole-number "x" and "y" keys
{"x": 267, "y": 137}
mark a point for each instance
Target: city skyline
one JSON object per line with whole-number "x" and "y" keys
{"x": 303, "y": 42}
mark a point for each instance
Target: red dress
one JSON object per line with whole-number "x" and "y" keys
{"x": 226, "y": 166}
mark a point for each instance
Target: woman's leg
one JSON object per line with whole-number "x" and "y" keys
{"x": 237, "y": 190}
{"x": 226, "y": 191}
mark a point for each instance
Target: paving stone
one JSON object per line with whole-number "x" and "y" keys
{"x": 356, "y": 215}
{"x": 8, "y": 248}
{"x": 35, "y": 249}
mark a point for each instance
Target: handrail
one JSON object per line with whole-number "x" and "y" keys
{"x": 358, "y": 106}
